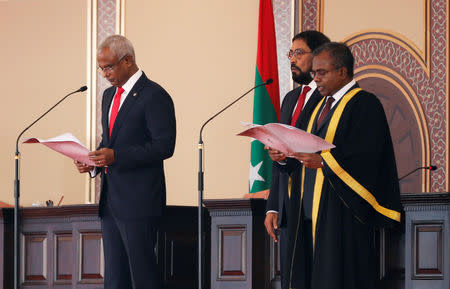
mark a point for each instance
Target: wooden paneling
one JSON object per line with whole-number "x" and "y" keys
{"x": 413, "y": 255}
{"x": 34, "y": 257}
{"x": 420, "y": 243}
{"x": 91, "y": 257}
{"x": 63, "y": 257}
{"x": 232, "y": 250}
{"x": 240, "y": 248}
{"x": 427, "y": 241}
{"x": 428, "y": 248}
{"x": 62, "y": 248}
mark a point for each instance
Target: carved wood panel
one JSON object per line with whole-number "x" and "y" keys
{"x": 232, "y": 252}
{"x": 91, "y": 257}
{"x": 427, "y": 251}
{"x": 63, "y": 257}
{"x": 34, "y": 260}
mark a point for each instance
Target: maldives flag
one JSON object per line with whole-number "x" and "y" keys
{"x": 266, "y": 103}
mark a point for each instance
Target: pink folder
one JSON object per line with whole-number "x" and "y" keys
{"x": 285, "y": 138}
{"x": 67, "y": 145}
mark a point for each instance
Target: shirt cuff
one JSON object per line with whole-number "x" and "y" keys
{"x": 93, "y": 172}
{"x": 271, "y": 211}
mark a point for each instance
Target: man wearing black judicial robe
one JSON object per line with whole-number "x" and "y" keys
{"x": 300, "y": 57}
{"x": 346, "y": 191}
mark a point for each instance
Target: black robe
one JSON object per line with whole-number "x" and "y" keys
{"x": 355, "y": 192}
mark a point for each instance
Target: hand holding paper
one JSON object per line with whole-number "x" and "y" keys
{"x": 67, "y": 145}
{"x": 285, "y": 138}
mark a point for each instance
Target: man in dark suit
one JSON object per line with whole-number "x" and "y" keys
{"x": 295, "y": 110}
{"x": 139, "y": 129}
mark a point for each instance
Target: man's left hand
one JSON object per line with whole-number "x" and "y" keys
{"x": 102, "y": 157}
{"x": 311, "y": 161}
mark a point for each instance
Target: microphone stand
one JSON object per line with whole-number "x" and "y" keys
{"x": 200, "y": 181}
{"x": 17, "y": 192}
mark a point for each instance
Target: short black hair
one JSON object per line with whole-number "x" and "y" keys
{"x": 312, "y": 38}
{"x": 341, "y": 54}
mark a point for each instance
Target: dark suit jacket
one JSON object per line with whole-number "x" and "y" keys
{"x": 142, "y": 137}
{"x": 278, "y": 196}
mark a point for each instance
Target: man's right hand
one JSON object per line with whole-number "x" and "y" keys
{"x": 271, "y": 223}
{"x": 83, "y": 168}
{"x": 275, "y": 155}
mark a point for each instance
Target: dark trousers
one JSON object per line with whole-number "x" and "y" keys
{"x": 129, "y": 250}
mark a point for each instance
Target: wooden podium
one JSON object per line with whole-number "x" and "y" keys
{"x": 62, "y": 247}
{"x": 414, "y": 254}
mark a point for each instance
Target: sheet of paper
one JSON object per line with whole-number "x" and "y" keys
{"x": 286, "y": 138}
{"x": 66, "y": 144}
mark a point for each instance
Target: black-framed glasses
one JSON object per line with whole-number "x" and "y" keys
{"x": 297, "y": 53}
{"x": 109, "y": 68}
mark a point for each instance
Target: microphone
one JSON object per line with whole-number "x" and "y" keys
{"x": 200, "y": 181}
{"x": 17, "y": 192}
{"x": 430, "y": 167}
{"x": 81, "y": 89}
{"x": 268, "y": 81}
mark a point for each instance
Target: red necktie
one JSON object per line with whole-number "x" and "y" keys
{"x": 300, "y": 102}
{"x": 326, "y": 109}
{"x": 115, "y": 108}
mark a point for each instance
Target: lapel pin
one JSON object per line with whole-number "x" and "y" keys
{"x": 134, "y": 94}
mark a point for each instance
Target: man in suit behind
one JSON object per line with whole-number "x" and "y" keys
{"x": 139, "y": 129}
{"x": 296, "y": 109}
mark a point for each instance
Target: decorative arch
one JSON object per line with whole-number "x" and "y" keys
{"x": 421, "y": 76}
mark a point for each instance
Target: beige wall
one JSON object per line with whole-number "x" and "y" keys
{"x": 43, "y": 58}
{"x": 203, "y": 52}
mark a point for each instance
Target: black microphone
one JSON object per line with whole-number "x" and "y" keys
{"x": 200, "y": 182}
{"x": 430, "y": 167}
{"x": 81, "y": 89}
{"x": 268, "y": 81}
{"x": 17, "y": 193}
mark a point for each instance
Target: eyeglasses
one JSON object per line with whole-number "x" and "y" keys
{"x": 297, "y": 53}
{"x": 321, "y": 72}
{"x": 109, "y": 68}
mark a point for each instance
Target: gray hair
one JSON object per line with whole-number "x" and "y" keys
{"x": 119, "y": 45}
